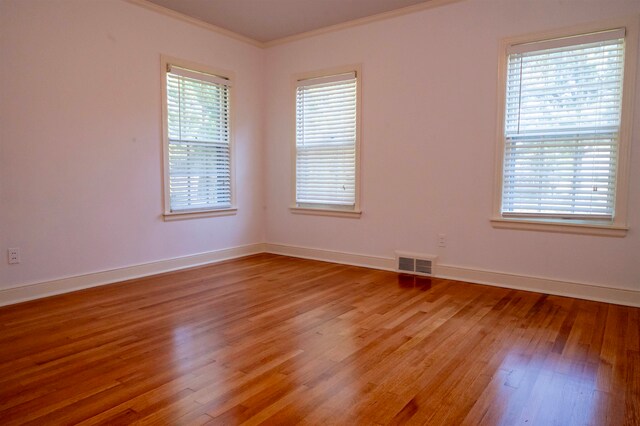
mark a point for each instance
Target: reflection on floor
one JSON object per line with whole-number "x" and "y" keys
{"x": 280, "y": 340}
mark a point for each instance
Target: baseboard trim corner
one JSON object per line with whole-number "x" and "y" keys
{"x": 597, "y": 293}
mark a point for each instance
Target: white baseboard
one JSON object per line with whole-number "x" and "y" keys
{"x": 64, "y": 285}
{"x": 374, "y": 262}
{"x": 498, "y": 279}
{"x": 614, "y": 295}
{"x": 618, "y": 296}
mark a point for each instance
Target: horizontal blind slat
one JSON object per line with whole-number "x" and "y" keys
{"x": 199, "y": 135}
{"x": 562, "y": 118}
{"x": 325, "y": 141}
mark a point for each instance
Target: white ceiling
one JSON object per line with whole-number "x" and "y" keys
{"x": 268, "y": 20}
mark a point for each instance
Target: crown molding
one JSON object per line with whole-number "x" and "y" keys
{"x": 194, "y": 21}
{"x": 361, "y": 21}
{"x": 324, "y": 30}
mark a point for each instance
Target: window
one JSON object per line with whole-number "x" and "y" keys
{"x": 327, "y": 134}
{"x": 197, "y": 131}
{"x": 562, "y": 140}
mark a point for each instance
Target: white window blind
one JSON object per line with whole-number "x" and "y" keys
{"x": 199, "y": 134}
{"x": 562, "y": 125}
{"x": 326, "y": 145}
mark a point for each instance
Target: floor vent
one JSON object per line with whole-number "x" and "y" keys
{"x": 415, "y": 264}
{"x": 406, "y": 264}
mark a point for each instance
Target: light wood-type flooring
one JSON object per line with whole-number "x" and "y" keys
{"x": 276, "y": 340}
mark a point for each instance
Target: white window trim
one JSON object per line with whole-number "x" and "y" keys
{"x": 356, "y": 212}
{"x": 168, "y": 215}
{"x": 618, "y": 227}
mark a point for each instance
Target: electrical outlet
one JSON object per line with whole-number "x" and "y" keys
{"x": 442, "y": 240}
{"x": 14, "y": 256}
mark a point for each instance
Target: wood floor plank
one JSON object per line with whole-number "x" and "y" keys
{"x": 270, "y": 339}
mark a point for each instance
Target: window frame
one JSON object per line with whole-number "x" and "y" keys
{"x": 169, "y": 215}
{"x": 326, "y": 210}
{"x": 618, "y": 226}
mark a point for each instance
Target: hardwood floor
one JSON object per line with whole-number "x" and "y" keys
{"x": 276, "y": 340}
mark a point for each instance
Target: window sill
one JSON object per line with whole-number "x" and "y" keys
{"x": 584, "y": 228}
{"x": 326, "y": 212}
{"x": 169, "y": 217}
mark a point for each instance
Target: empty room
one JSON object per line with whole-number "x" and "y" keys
{"x": 321, "y": 212}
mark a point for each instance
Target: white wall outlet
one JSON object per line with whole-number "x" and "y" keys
{"x": 442, "y": 240}
{"x": 14, "y": 256}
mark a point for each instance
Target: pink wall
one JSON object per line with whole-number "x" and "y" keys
{"x": 429, "y": 117}
{"x": 80, "y": 147}
{"x": 80, "y": 152}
